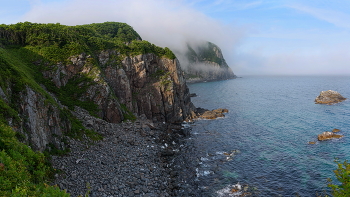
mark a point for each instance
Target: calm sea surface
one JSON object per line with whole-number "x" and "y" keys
{"x": 262, "y": 143}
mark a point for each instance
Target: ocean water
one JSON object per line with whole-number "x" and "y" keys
{"x": 262, "y": 143}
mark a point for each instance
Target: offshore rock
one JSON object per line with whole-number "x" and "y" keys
{"x": 329, "y": 97}
{"x": 328, "y": 135}
{"x": 214, "y": 114}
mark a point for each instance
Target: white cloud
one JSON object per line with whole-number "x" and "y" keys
{"x": 328, "y": 60}
{"x": 164, "y": 23}
{"x": 274, "y": 48}
{"x": 337, "y": 18}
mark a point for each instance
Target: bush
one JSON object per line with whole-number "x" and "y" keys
{"x": 23, "y": 172}
{"x": 343, "y": 175}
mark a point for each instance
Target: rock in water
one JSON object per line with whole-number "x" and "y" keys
{"x": 329, "y": 97}
{"x": 328, "y": 135}
{"x": 216, "y": 113}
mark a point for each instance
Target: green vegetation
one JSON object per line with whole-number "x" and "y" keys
{"x": 56, "y": 42}
{"x": 205, "y": 52}
{"x": 343, "y": 175}
{"x": 23, "y": 172}
{"x": 77, "y": 129}
{"x": 127, "y": 114}
{"x": 26, "y": 51}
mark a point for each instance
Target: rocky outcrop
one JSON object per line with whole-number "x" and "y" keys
{"x": 207, "y": 114}
{"x": 113, "y": 82}
{"x": 41, "y": 121}
{"x": 149, "y": 85}
{"x": 205, "y": 62}
{"x": 145, "y": 84}
{"x": 327, "y": 135}
{"x": 329, "y": 97}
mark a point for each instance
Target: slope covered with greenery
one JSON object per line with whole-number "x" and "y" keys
{"x": 205, "y": 52}
{"x": 26, "y": 50}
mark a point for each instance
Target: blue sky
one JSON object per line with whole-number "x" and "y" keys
{"x": 270, "y": 37}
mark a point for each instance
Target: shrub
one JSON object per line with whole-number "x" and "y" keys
{"x": 343, "y": 175}
{"x": 23, "y": 172}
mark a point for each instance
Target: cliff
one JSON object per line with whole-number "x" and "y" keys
{"x": 48, "y": 70}
{"x": 57, "y": 81}
{"x": 205, "y": 62}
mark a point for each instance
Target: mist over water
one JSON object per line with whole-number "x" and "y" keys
{"x": 263, "y": 140}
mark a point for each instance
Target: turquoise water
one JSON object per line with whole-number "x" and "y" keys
{"x": 267, "y": 130}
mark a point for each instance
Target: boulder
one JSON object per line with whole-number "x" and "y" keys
{"x": 329, "y": 97}
{"x": 328, "y": 135}
{"x": 216, "y": 113}
{"x": 335, "y": 130}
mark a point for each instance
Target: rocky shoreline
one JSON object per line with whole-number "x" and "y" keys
{"x": 138, "y": 158}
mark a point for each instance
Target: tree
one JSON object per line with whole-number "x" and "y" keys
{"x": 343, "y": 175}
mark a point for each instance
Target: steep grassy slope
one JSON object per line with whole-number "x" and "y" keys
{"x": 46, "y": 70}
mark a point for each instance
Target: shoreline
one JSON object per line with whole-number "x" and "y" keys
{"x": 138, "y": 158}
{"x": 208, "y": 80}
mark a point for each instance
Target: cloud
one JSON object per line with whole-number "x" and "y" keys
{"x": 336, "y": 18}
{"x": 328, "y": 60}
{"x": 162, "y": 22}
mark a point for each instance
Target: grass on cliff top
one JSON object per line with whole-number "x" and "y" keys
{"x": 57, "y": 42}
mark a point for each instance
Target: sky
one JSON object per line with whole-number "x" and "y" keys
{"x": 257, "y": 37}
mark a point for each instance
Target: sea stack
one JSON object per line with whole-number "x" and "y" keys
{"x": 329, "y": 97}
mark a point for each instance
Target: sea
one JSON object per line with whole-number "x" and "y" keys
{"x": 262, "y": 143}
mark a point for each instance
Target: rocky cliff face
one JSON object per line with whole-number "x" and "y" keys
{"x": 149, "y": 85}
{"x": 145, "y": 84}
{"x": 112, "y": 84}
{"x": 205, "y": 62}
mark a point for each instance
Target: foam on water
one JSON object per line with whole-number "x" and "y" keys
{"x": 271, "y": 120}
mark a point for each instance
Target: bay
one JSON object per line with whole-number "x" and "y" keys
{"x": 262, "y": 143}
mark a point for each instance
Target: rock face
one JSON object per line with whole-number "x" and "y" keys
{"x": 144, "y": 84}
{"x": 329, "y": 97}
{"x": 113, "y": 82}
{"x": 205, "y": 62}
{"x": 327, "y": 135}
{"x": 149, "y": 85}
{"x": 207, "y": 114}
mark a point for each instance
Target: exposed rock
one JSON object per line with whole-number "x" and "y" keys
{"x": 312, "y": 142}
{"x": 335, "y": 130}
{"x": 329, "y": 97}
{"x": 145, "y": 84}
{"x": 43, "y": 124}
{"x": 328, "y": 135}
{"x": 206, "y": 114}
{"x": 150, "y": 85}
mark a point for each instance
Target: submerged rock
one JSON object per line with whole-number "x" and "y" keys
{"x": 327, "y": 135}
{"x": 329, "y": 97}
